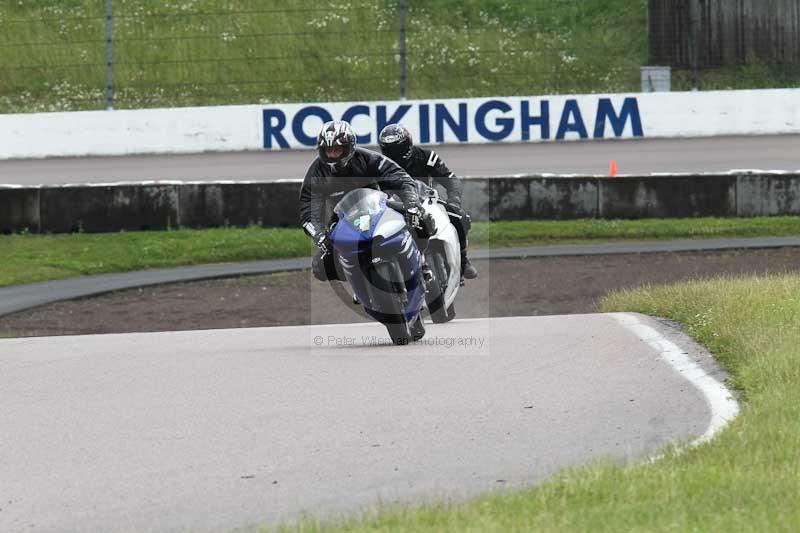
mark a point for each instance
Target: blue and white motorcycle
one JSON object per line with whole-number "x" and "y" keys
{"x": 381, "y": 261}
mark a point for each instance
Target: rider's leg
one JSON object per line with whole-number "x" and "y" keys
{"x": 422, "y": 245}
{"x": 462, "y": 224}
{"x": 323, "y": 267}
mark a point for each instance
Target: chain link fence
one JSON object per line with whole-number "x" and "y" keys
{"x": 96, "y": 54}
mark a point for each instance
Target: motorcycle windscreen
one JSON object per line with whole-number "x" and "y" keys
{"x": 361, "y": 209}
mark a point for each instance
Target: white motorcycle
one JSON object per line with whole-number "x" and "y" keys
{"x": 443, "y": 257}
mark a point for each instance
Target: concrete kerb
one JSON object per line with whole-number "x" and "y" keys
{"x": 22, "y": 297}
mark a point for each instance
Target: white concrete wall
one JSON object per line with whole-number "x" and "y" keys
{"x": 469, "y": 120}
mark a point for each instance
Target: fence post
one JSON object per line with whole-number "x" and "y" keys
{"x": 403, "y": 72}
{"x": 693, "y": 15}
{"x": 109, "y": 54}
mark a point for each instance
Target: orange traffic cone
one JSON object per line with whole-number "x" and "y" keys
{"x": 612, "y": 170}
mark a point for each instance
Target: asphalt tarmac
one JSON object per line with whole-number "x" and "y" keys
{"x": 212, "y": 430}
{"x": 641, "y": 156}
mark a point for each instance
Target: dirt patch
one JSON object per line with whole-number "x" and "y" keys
{"x": 539, "y": 286}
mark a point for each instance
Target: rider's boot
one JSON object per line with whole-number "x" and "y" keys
{"x": 467, "y": 270}
{"x": 427, "y": 276}
{"x": 417, "y": 330}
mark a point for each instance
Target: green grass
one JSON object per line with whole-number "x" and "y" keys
{"x": 204, "y": 52}
{"x": 29, "y": 258}
{"x": 747, "y": 479}
{"x": 533, "y": 232}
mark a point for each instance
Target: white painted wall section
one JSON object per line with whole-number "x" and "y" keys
{"x": 468, "y": 120}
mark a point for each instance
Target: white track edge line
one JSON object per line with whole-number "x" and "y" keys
{"x": 719, "y": 398}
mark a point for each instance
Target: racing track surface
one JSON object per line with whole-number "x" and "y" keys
{"x": 212, "y": 430}
{"x": 640, "y": 156}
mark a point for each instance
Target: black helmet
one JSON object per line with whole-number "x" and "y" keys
{"x": 333, "y": 135}
{"x": 396, "y": 143}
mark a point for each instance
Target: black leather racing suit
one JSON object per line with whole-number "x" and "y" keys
{"x": 323, "y": 187}
{"x": 427, "y": 164}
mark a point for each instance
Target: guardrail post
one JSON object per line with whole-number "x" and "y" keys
{"x": 693, "y": 15}
{"x": 403, "y": 72}
{"x": 109, "y": 54}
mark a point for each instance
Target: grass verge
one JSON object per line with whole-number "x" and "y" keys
{"x": 744, "y": 480}
{"x": 535, "y": 232}
{"x": 31, "y": 258}
{"x": 205, "y": 52}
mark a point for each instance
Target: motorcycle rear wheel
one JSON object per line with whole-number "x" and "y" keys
{"x": 435, "y": 300}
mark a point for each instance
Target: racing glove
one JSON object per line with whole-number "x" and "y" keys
{"x": 323, "y": 242}
{"x": 413, "y": 217}
{"x": 319, "y": 236}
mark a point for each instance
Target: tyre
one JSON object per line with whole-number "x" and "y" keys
{"x": 383, "y": 283}
{"x": 417, "y": 329}
{"x": 443, "y": 315}
{"x": 399, "y": 333}
{"x": 435, "y": 298}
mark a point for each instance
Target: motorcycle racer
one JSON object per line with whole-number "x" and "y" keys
{"x": 340, "y": 167}
{"x": 396, "y": 143}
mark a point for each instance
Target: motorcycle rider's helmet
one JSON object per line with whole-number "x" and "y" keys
{"x": 396, "y": 143}
{"x": 336, "y": 144}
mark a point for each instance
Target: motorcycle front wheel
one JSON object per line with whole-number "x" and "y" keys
{"x": 388, "y": 293}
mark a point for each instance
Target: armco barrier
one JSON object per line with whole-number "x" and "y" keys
{"x": 115, "y": 207}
